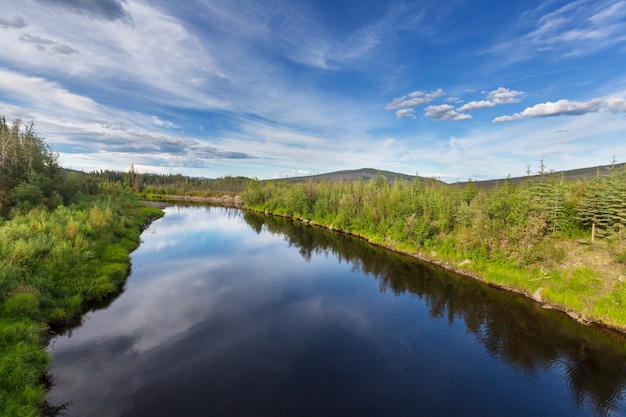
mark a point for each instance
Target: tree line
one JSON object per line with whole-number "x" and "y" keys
{"x": 507, "y": 218}
{"x": 30, "y": 174}
{"x": 172, "y": 184}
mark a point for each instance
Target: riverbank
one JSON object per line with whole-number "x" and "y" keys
{"x": 561, "y": 243}
{"x": 161, "y": 200}
{"x": 585, "y": 282}
{"x": 53, "y": 264}
{"x": 505, "y": 277}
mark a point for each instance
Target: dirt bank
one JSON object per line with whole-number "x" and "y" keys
{"x": 162, "y": 201}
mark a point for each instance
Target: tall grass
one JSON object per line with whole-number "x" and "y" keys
{"x": 51, "y": 264}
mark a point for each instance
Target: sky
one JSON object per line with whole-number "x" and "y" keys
{"x": 457, "y": 90}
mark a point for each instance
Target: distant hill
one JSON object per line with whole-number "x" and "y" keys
{"x": 569, "y": 175}
{"x": 370, "y": 173}
{"x": 353, "y": 175}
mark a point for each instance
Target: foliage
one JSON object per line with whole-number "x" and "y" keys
{"x": 51, "y": 264}
{"x": 64, "y": 243}
{"x": 30, "y": 174}
{"x": 604, "y": 204}
{"x": 171, "y": 184}
{"x": 517, "y": 235}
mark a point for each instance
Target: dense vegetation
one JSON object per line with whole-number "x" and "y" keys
{"x": 172, "y": 184}
{"x": 65, "y": 241}
{"x": 566, "y": 239}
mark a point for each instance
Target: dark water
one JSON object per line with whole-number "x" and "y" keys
{"x": 237, "y": 314}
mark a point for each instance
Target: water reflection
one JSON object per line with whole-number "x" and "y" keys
{"x": 231, "y": 313}
{"x": 523, "y": 334}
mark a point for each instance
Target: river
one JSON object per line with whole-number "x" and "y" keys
{"x": 232, "y": 313}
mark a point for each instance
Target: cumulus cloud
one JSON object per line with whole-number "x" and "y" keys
{"x": 404, "y": 105}
{"x": 616, "y": 105}
{"x": 12, "y": 21}
{"x": 494, "y": 98}
{"x": 563, "y": 107}
{"x": 501, "y": 119}
{"x": 99, "y": 9}
{"x": 445, "y": 112}
{"x": 416, "y": 98}
{"x": 567, "y": 108}
{"x": 405, "y": 114}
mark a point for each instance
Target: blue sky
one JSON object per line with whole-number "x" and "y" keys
{"x": 456, "y": 90}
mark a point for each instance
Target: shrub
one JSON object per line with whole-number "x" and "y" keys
{"x": 22, "y": 304}
{"x": 26, "y": 196}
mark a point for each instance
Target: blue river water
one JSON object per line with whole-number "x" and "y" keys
{"x": 230, "y": 313}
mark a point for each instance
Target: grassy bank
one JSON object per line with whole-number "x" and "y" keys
{"x": 561, "y": 243}
{"x": 53, "y": 262}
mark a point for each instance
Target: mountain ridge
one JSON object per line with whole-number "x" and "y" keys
{"x": 371, "y": 173}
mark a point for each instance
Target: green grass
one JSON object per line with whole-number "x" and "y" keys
{"x": 51, "y": 264}
{"x": 575, "y": 291}
{"x": 612, "y": 307}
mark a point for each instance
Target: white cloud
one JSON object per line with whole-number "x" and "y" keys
{"x": 445, "y": 112}
{"x": 405, "y": 114}
{"x": 567, "y": 108}
{"x": 75, "y": 124}
{"x": 580, "y": 27}
{"x": 505, "y": 96}
{"x": 494, "y": 98}
{"x": 563, "y": 107}
{"x": 416, "y": 98}
{"x": 156, "y": 52}
{"x": 500, "y": 119}
{"x": 485, "y": 152}
{"x": 162, "y": 123}
{"x": 616, "y": 105}
{"x": 42, "y": 92}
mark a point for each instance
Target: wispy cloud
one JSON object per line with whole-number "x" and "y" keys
{"x": 580, "y": 27}
{"x": 78, "y": 125}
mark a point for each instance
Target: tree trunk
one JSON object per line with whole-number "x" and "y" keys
{"x": 593, "y": 232}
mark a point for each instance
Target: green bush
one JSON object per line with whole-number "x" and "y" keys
{"x": 26, "y": 196}
{"x": 23, "y": 304}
